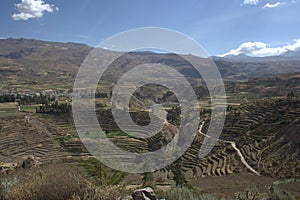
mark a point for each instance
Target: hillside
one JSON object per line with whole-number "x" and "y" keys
{"x": 274, "y": 86}
{"x": 31, "y": 64}
{"x": 259, "y": 145}
{"x": 35, "y": 64}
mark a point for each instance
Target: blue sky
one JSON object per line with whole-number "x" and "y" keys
{"x": 253, "y": 27}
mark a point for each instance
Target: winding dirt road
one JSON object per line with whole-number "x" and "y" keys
{"x": 233, "y": 144}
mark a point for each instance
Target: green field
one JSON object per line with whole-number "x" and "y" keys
{"x": 8, "y": 109}
{"x": 29, "y": 108}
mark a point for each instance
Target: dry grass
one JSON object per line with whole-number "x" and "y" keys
{"x": 54, "y": 182}
{"x": 48, "y": 182}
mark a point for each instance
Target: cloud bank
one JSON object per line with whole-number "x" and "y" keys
{"x": 260, "y": 49}
{"x": 28, "y": 9}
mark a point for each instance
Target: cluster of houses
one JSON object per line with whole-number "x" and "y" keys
{"x": 60, "y": 95}
{"x": 53, "y": 94}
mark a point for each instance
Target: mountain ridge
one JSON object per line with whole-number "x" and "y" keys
{"x": 27, "y": 62}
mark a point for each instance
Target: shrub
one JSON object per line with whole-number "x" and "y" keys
{"x": 47, "y": 182}
{"x": 253, "y": 194}
{"x": 279, "y": 195}
{"x": 183, "y": 193}
{"x": 249, "y": 194}
{"x": 106, "y": 193}
{"x": 103, "y": 175}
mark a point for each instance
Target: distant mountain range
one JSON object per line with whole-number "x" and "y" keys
{"x": 289, "y": 55}
{"x": 292, "y": 54}
{"x": 25, "y": 62}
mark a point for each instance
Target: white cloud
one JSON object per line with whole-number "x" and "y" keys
{"x": 251, "y": 2}
{"x": 28, "y": 9}
{"x": 261, "y": 49}
{"x": 282, "y": 3}
{"x": 268, "y": 5}
{"x": 272, "y": 5}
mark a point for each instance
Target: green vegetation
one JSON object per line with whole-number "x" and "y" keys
{"x": 112, "y": 134}
{"x": 54, "y": 108}
{"x": 29, "y": 108}
{"x": 273, "y": 194}
{"x": 101, "y": 94}
{"x": 28, "y": 100}
{"x": 102, "y": 174}
{"x": 174, "y": 115}
{"x": 179, "y": 177}
{"x": 148, "y": 179}
{"x": 67, "y": 138}
{"x": 7, "y": 98}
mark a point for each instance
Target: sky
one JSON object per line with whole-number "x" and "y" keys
{"x": 221, "y": 27}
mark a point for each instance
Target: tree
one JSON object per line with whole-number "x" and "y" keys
{"x": 148, "y": 177}
{"x": 179, "y": 177}
{"x": 291, "y": 94}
